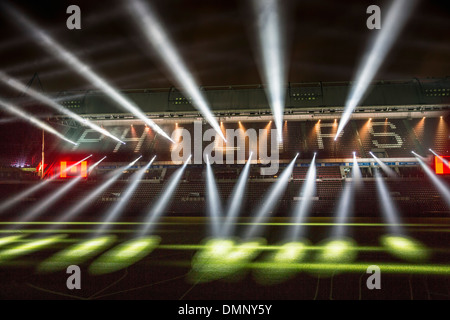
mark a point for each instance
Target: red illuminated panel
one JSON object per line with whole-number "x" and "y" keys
{"x": 63, "y": 173}
{"x": 70, "y": 169}
{"x": 84, "y": 169}
{"x": 440, "y": 166}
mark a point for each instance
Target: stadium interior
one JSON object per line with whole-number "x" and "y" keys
{"x": 208, "y": 150}
{"x": 166, "y": 206}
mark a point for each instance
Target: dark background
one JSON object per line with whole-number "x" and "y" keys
{"x": 326, "y": 40}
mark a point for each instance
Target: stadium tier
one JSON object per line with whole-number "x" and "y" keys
{"x": 388, "y": 138}
{"x": 388, "y": 129}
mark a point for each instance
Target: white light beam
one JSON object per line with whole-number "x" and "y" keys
{"x": 438, "y": 183}
{"x": 152, "y": 28}
{"x": 391, "y": 27}
{"x": 236, "y": 198}
{"x": 270, "y": 201}
{"x": 166, "y": 194}
{"x": 46, "y": 100}
{"x": 391, "y": 173}
{"x": 440, "y": 158}
{"x": 124, "y": 198}
{"x": 13, "y": 109}
{"x": 272, "y": 57}
{"x": 304, "y": 205}
{"x": 82, "y": 69}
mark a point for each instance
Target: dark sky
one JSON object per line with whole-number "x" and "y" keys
{"x": 326, "y": 40}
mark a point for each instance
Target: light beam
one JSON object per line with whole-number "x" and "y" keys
{"x": 10, "y": 202}
{"x": 235, "y": 202}
{"x": 356, "y": 172}
{"x": 344, "y": 209}
{"x": 304, "y": 205}
{"x": 213, "y": 201}
{"x": 164, "y": 197}
{"x": 390, "y": 212}
{"x": 15, "y": 110}
{"x": 391, "y": 173}
{"x": 50, "y": 200}
{"x": 270, "y": 201}
{"x": 46, "y": 100}
{"x": 272, "y": 46}
{"x": 440, "y": 158}
{"x": 54, "y": 48}
{"x": 152, "y": 28}
{"x": 124, "y": 198}
{"x": 395, "y": 20}
{"x": 77, "y": 208}
{"x": 438, "y": 183}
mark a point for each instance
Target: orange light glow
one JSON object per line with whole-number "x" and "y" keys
{"x": 441, "y": 167}
{"x": 63, "y": 173}
{"x": 84, "y": 169}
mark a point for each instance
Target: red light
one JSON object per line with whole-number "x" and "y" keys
{"x": 84, "y": 169}
{"x": 440, "y": 167}
{"x": 63, "y": 173}
{"x": 76, "y": 169}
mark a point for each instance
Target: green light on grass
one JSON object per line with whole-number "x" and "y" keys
{"x": 28, "y": 247}
{"x": 340, "y": 250}
{"x": 292, "y": 251}
{"x": 283, "y": 258}
{"x": 124, "y": 255}
{"x": 218, "y": 248}
{"x": 404, "y": 247}
{"x": 76, "y": 254}
{"x": 7, "y": 240}
{"x": 223, "y": 258}
{"x": 359, "y": 267}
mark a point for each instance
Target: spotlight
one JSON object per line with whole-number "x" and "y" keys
{"x": 270, "y": 201}
{"x": 76, "y": 254}
{"x": 124, "y": 197}
{"x": 29, "y": 247}
{"x": 47, "y": 202}
{"x": 440, "y": 158}
{"x": 438, "y": 183}
{"x": 272, "y": 52}
{"x": 356, "y": 172}
{"x": 383, "y": 166}
{"x": 46, "y": 100}
{"x": 388, "y": 208}
{"x": 92, "y": 167}
{"x": 213, "y": 200}
{"x": 81, "y": 68}
{"x": 236, "y": 200}
{"x": 78, "y": 207}
{"x": 304, "y": 205}
{"x": 124, "y": 255}
{"x": 165, "y": 196}
{"x": 405, "y": 248}
{"x": 222, "y": 258}
{"x": 394, "y": 22}
{"x": 157, "y": 37}
{"x": 10, "y": 108}
{"x": 344, "y": 210}
{"x": 12, "y": 201}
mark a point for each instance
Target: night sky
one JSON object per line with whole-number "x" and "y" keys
{"x": 326, "y": 40}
